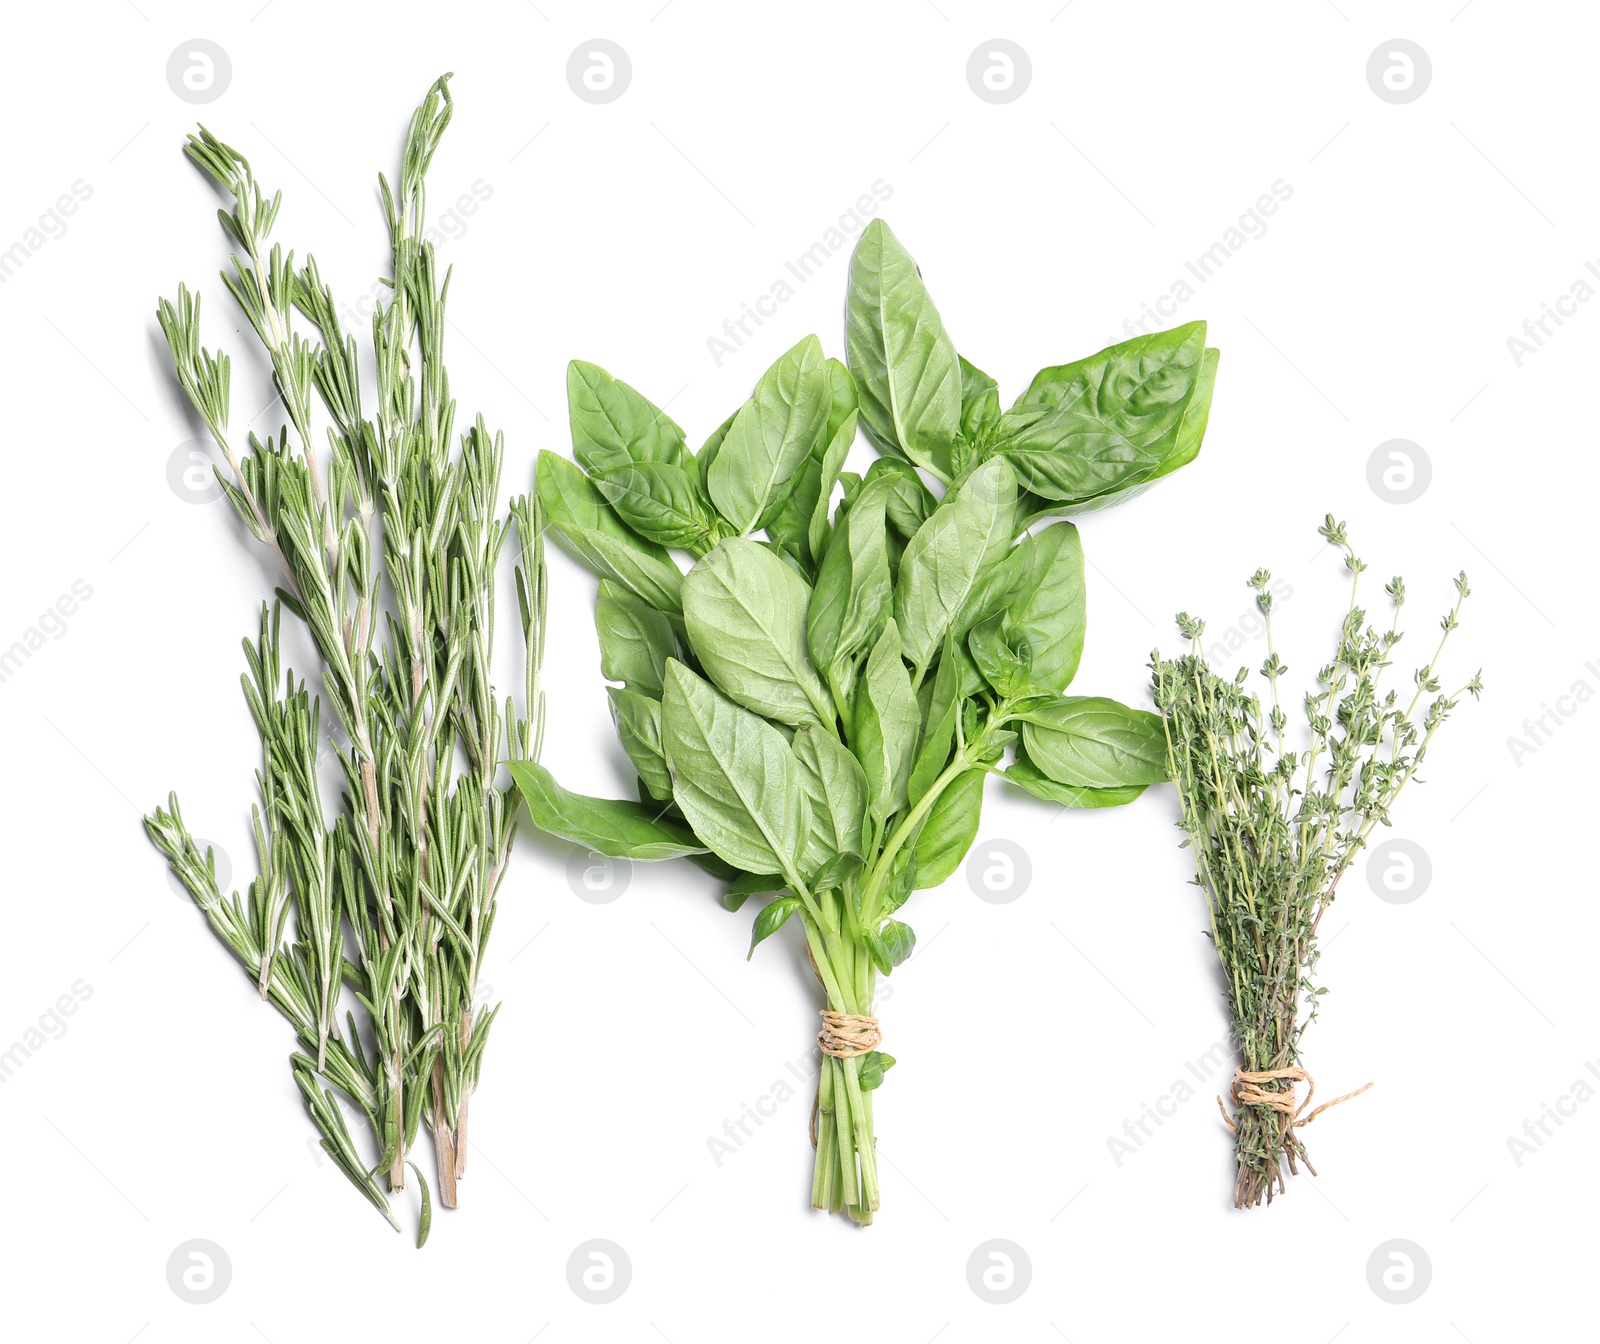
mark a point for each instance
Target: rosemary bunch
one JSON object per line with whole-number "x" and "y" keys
{"x": 395, "y": 896}
{"x": 1274, "y": 830}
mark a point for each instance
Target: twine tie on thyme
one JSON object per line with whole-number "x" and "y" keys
{"x": 1246, "y": 1089}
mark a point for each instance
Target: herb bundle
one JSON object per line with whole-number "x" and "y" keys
{"x": 812, "y": 714}
{"x": 1274, "y": 830}
{"x": 395, "y": 897}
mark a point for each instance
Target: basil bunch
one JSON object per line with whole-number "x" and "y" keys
{"x": 812, "y": 714}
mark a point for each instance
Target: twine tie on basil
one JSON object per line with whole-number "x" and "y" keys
{"x": 846, "y": 1035}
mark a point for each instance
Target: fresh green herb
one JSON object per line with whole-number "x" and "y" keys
{"x": 811, "y": 715}
{"x": 1273, "y": 831}
{"x": 420, "y": 839}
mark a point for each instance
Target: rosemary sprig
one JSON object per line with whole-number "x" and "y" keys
{"x": 416, "y": 850}
{"x": 1274, "y": 830}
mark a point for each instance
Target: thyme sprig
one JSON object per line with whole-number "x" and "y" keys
{"x": 1274, "y": 830}
{"x": 396, "y": 896}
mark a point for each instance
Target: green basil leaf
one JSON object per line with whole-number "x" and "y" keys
{"x": 842, "y": 398}
{"x": 1046, "y": 612}
{"x": 709, "y": 449}
{"x": 620, "y": 830}
{"x": 967, "y": 534}
{"x": 1185, "y": 450}
{"x": 745, "y": 611}
{"x": 950, "y": 829}
{"x": 770, "y": 918}
{"x": 771, "y": 437}
{"x": 938, "y": 726}
{"x": 904, "y": 364}
{"x": 836, "y": 872}
{"x": 980, "y": 402}
{"x": 890, "y": 945}
{"x": 853, "y": 593}
{"x": 907, "y": 501}
{"x": 887, "y": 718}
{"x": 901, "y": 882}
{"x": 709, "y": 862}
{"x": 580, "y": 514}
{"x": 661, "y": 502}
{"x": 1101, "y": 424}
{"x": 1027, "y": 775}
{"x": 837, "y": 790}
{"x": 839, "y": 445}
{"x": 873, "y": 1065}
{"x": 638, "y": 720}
{"x": 1196, "y": 415}
{"x": 613, "y": 426}
{"x": 733, "y": 777}
{"x": 757, "y": 884}
{"x": 1004, "y": 664}
{"x": 1094, "y": 742}
{"x": 802, "y": 514}
{"x": 898, "y": 940}
{"x": 635, "y": 639}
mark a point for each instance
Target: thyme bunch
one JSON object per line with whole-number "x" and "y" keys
{"x": 1274, "y": 830}
{"x": 396, "y": 895}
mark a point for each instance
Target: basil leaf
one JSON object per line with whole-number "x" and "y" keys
{"x": 1003, "y": 666}
{"x": 1196, "y": 415}
{"x": 968, "y": 533}
{"x": 733, "y": 777}
{"x": 902, "y": 879}
{"x": 950, "y": 829}
{"x": 904, "y": 364}
{"x": 836, "y": 872}
{"x": 708, "y": 451}
{"x": 635, "y": 639}
{"x": 613, "y": 426}
{"x": 839, "y": 445}
{"x": 580, "y": 514}
{"x": 980, "y": 402}
{"x": 899, "y": 940}
{"x": 1027, "y": 775}
{"x": 756, "y": 884}
{"x": 802, "y": 515}
{"x": 907, "y": 501}
{"x": 890, "y": 945}
{"x": 771, "y": 436}
{"x": 1046, "y": 613}
{"x": 1101, "y": 424}
{"x": 1185, "y": 450}
{"x": 886, "y": 721}
{"x": 1093, "y": 742}
{"x": 661, "y": 502}
{"x": 853, "y": 592}
{"x": 620, "y": 830}
{"x": 638, "y": 720}
{"x": 842, "y": 398}
{"x": 938, "y": 726}
{"x": 837, "y": 790}
{"x": 770, "y": 918}
{"x": 874, "y": 1064}
{"x": 745, "y": 611}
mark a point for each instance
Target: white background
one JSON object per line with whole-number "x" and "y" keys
{"x": 1377, "y": 305}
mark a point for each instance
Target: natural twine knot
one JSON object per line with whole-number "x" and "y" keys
{"x": 1247, "y": 1090}
{"x": 846, "y": 1035}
